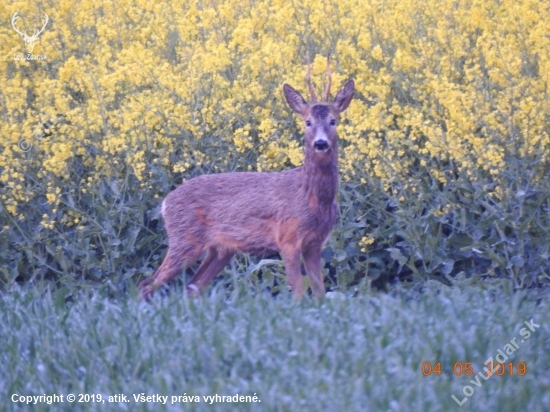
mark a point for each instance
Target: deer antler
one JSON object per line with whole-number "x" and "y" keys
{"x": 308, "y": 80}
{"x": 37, "y": 33}
{"x": 13, "y": 20}
{"x": 329, "y": 81}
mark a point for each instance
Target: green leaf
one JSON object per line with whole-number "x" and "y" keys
{"x": 518, "y": 261}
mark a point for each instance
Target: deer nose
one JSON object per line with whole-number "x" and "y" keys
{"x": 320, "y": 145}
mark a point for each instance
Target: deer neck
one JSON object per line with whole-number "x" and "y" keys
{"x": 321, "y": 175}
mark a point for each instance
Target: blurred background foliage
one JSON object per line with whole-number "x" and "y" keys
{"x": 444, "y": 151}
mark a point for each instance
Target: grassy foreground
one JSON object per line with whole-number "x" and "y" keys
{"x": 347, "y": 353}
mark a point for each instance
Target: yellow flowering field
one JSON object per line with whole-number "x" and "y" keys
{"x": 444, "y": 151}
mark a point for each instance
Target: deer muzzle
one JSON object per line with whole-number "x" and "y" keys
{"x": 320, "y": 143}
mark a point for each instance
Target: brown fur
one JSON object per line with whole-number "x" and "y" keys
{"x": 291, "y": 212}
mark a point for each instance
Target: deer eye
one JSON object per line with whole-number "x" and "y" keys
{"x": 308, "y": 123}
{"x": 333, "y": 122}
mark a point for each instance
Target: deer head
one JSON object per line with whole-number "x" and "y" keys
{"x": 320, "y": 118}
{"x": 29, "y": 40}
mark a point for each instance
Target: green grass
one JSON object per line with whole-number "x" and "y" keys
{"x": 360, "y": 353}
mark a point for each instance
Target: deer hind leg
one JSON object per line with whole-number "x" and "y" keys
{"x": 312, "y": 262}
{"x": 170, "y": 268}
{"x": 210, "y": 267}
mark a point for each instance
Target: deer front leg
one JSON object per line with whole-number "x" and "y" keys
{"x": 291, "y": 259}
{"x": 312, "y": 262}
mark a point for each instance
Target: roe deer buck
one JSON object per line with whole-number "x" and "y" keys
{"x": 291, "y": 212}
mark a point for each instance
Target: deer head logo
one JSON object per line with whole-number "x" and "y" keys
{"x": 29, "y": 40}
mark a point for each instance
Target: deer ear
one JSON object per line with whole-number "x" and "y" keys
{"x": 294, "y": 99}
{"x": 344, "y": 96}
